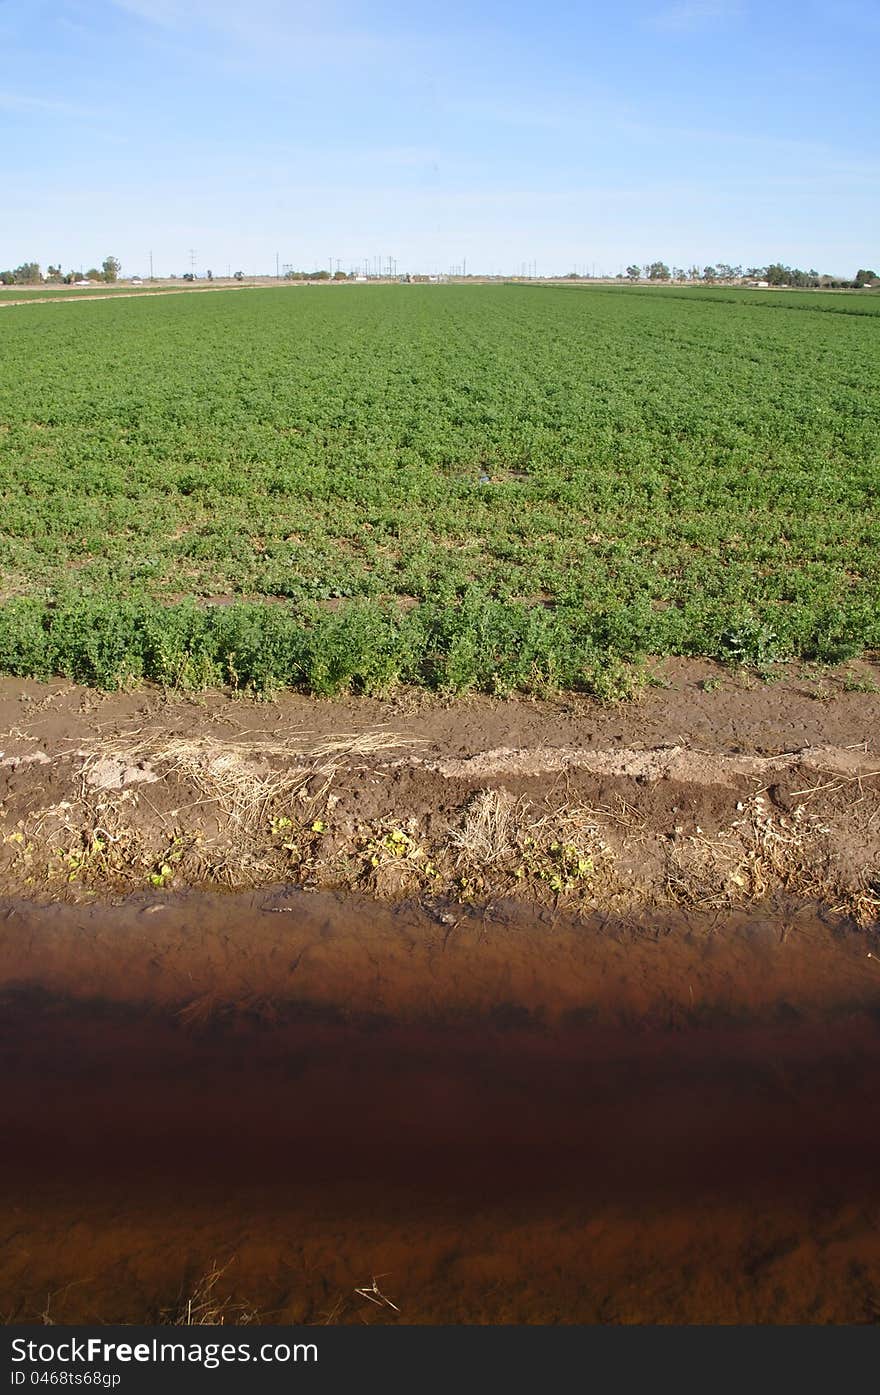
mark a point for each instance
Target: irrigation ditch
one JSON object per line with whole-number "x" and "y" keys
{"x": 413, "y": 1012}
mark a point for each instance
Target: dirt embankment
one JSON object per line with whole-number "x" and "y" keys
{"x": 58, "y": 298}
{"x": 710, "y": 792}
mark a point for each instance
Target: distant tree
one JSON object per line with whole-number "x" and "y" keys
{"x": 27, "y": 272}
{"x": 658, "y": 271}
{"x": 7, "y": 278}
{"x": 210, "y": 275}
{"x": 111, "y": 267}
{"x": 679, "y": 273}
{"x": 694, "y": 273}
{"x": 238, "y": 276}
{"x": 340, "y": 276}
{"x": 805, "y": 279}
{"x": 634, "y": 272}
{"x": 709, "y": 274}
{"x": 53, "y": 273}
{"x": 93, "y": 274}
{"x": 777, "y": 274}
{"x": 865, "y": 278}
{"x": 758, "y": 273}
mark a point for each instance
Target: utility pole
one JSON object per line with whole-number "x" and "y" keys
{"x": 277, "y": 272}
{"x": 192, "y": 261}
{"x": 152, "y": 277}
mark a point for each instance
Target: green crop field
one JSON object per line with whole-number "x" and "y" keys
{"x": 503, "y": 487}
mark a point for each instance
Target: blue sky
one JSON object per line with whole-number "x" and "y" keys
{"x": 571, "y": 135}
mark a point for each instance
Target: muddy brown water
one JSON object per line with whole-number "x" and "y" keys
{"x": 504, "y": 1119}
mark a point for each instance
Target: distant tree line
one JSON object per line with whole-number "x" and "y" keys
{"x": 30, "y": 274}
{"x": 776, "y": 274}
{"x": 322, "y": 275}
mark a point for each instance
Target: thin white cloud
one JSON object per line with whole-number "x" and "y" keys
{"x": 27, "y": 104}
{"x": 689, "y": 16}
{"x": 569, "y": 118}
{"x": 167, "y": 13}
{"x": 768, "y": 154}
{"x": 277, "y": 37}
{"x": 257, "y": 24}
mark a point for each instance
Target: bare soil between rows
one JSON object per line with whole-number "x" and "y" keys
{"x": 531, "y": 1012}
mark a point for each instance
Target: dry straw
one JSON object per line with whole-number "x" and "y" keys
{"x": 245, "y": 777}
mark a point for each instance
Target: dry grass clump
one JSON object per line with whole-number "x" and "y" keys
{"x": 758, "y": 854}
{"x": 863, "y": 905}
{"x": 486, "y": 835}
{"x": 502, "y": 844}
{"x": 204, "y": 1307}
{"x": 244, "y": 778}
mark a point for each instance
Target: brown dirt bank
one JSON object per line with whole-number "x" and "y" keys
{"x": 712, "y": 791}
{"x": 57, "y": 298}
{"x": 118, "y": 1254}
